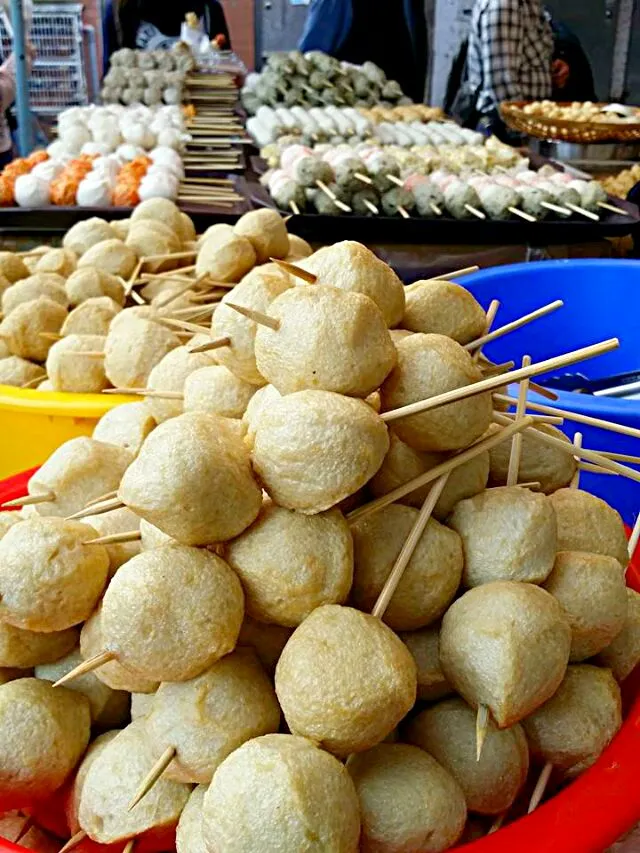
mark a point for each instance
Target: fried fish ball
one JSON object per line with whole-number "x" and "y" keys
{"x": 18, "y": 371}
{"x": 257, "y": 405}
{"x": 267, "y": 641}
{"x": 111, "y": 782}
{"x": 429, "y": 365}
{"x": 591, "y": 589}
{"x": 5, "y": 352}
{"x": 257, "y": 293}
{"x": 289, "y": 563}
{"x": 116, "y": 521}
{"x": 133, "y": 348}
{"x": 496, "y": 632}
{"x": 147, "y": 240}
{"x": 70, "y": 370}
{"x": 217, "y": 390}
{"x": 573, "y": 727}
{"x": 47, "y": 285}
{"x": 271, "y": 269}
{"x": 225, "y": 257}
{"x": 207, "y": 718}
{"x": 312, "y": 449}
{"x": 23, "y": 329}
{"x": 109, "y": 708}
{"x": 587, "y": 523}
{"x": 92, "y": 317}
{"x": 351, "y": 266}
{"x": 539, "y": 463}
{"x": 25, "y": 649}
{"x": 204, "y": 617}
{"x": 298, "y": 248}
{"x": 347, "y": 705}
{"x": 190, "y": 831}
{"x": 424, "y": 646}
{"x": 328, "y": 339}
{"x": 12, "y": 267}
{"x": 170, "y": 374}
{"x": 87, "y": 233}
{"x": 43, "y": 734}
{"x": 125, "y": 426}
{"x": 443, "y": 308}
{"x": 277, "y": 793}
{"x": 201, "y": 504}
{"x": 60, "y": 261}
{"x": 623, "y": 654}
{"x": 79, "y": 470}
{"x": 431, "y": 578}
{"x": 112, "y": 256}
{"x": 508, "y": 534}
{"x": 141, "y": 705}
{"x": 159, "y": 210}
{"x": 447, "y": 731}
{"x": 90, "y": 282}
{"x": 266, "y": 231}
{"x": 113, "y": 674}
{"x": 49, "y": 579}
{"x": 186, "y": 230}
{"x": 217, "y": 231}
{"x": 402, "y": 463}
{"x": 75, "y": 792}
{"x": 408, "y": 801}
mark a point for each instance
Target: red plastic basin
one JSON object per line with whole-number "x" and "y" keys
{"x": 587, "y": 816}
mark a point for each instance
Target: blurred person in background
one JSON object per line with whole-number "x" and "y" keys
{"x": 7, "y": 98}
{"x": 156, "y": 24}
{"x": 391, "y": 33}
{"x": 509, "y": 58}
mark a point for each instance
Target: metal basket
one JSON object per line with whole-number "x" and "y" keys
{"x": 581, "y": 132}
{"x": 58, "y": 77}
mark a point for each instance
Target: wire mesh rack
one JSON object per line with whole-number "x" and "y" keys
{"x": 58, "y": 76}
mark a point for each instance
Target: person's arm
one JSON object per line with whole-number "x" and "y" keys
{"x": 501, "y": 37}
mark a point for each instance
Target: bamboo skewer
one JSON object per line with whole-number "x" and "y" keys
{"x": 370, "y": 206}
{"x": 402, "y": 561}
{"x": 116, "y": 538}
{"x": 494, "y": 382}
{"x": 256, "y": 316}
{"x": 575, "y": 480}
{"x": 492, "y": 310}
{"x": 583, "y": 212}
{"x": 522, "y": 214}
{"x": 515, "y": 324}
{"x": 541, "y": 784}
{"x": 74, "y": 841}
{"x": 217, "y": 344}
{"x": 33, "y": 383}
{"x": 556, "y": 208}
{"x": 475, "y": 212}
{"x": 443, "y": 468}
{"x": 482, "y": 727}
{"x": 86, "y": 666}
{"x": 152, "y": 777}
{"x": 590, "y": 455}
{"x": 97, "y": 509}
{"x": 146, "y": 392}
{"x": 587, "y": 420}
{"x": 295, "y": 270}
{"x": 516, "y": 442}
{"x": 31, "y": 500}
{"x": 606, "y": 206}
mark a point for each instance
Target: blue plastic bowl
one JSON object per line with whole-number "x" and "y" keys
{"x": 601, "y": 300}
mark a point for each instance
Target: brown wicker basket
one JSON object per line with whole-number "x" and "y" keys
{"x": 581, "y": 132}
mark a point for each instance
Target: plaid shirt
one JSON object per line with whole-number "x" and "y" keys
{"x": 510, "y": 52}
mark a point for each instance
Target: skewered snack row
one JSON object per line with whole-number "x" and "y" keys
{"x": 148, "y": 77}
{"x": 118, "y": 129}
{"x": 407, "y": 113}
{"x": 341, "y": 124}
{"x": 586, "y": 111}
{"x": 90, "y": 180}
{"x": 68, "y": 324}
{"x": 354, "y": 388}
{"x": 372, "y": 181}
{"x": 317, "y": 79}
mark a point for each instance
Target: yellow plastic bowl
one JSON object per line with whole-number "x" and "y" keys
{"x": 34, "y": 423}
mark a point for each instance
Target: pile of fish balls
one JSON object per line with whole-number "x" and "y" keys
{"x": 218, "y": 625}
